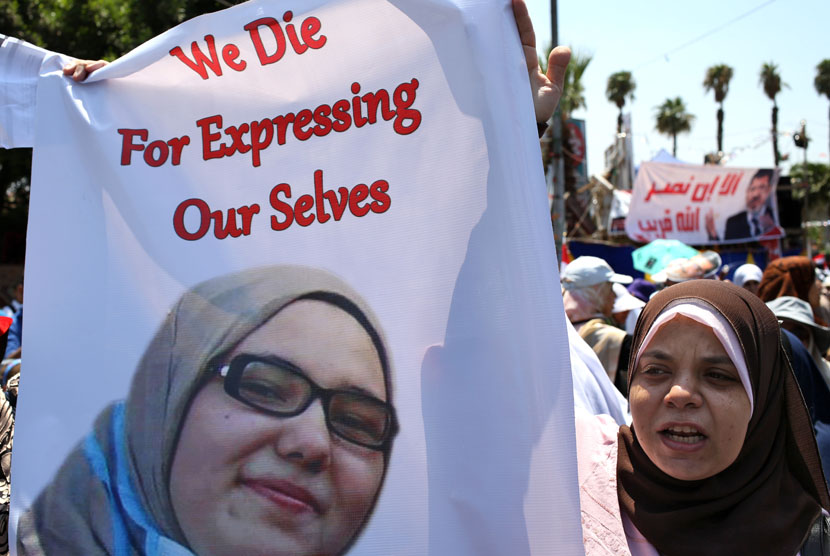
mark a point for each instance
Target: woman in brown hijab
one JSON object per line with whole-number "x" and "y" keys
{"x": 259, "y": 421}
{"x": 791, "y": 276}
{"x": 720, "y": 457}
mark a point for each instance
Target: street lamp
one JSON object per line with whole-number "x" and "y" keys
{"x": 801, "y": 140}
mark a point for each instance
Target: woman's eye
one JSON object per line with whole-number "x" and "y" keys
{"x": 350, "y": 420}
{"x": 721, "y": 376}
{"x": 263, "y": 390}
{"x": 653, "y": 371}
{"x": 354, "y": 421}
{"x": 360, "y": 425}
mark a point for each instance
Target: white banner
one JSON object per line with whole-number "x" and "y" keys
{"x": 620, "y": 204}
{"x": 699, "y": 205}
{"x": 286, "y": 294}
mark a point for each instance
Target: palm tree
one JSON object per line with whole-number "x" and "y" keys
{"x": 620, "y": 86}
{"x": 573, "y": 91}
{"x": 672, "y": 119}
{"x": 770, "y": 80}
{"x": 822, "y": 81}
{"x": 572, "y": 99}
{"x": 717, "y": 79}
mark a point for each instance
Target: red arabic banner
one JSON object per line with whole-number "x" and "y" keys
{"x": 700, "y": 205}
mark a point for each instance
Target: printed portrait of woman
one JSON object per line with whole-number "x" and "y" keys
{"x": 259, "y": 422}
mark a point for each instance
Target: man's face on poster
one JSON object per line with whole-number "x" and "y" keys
{"x": 757, "y": 193}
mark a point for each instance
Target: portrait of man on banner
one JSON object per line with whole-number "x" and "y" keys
{"x": 703, "y": 204}
{"x": 758, "y": 220}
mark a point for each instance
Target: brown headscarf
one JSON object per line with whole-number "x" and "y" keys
{"x": 72, "y": 514}
{"x": 766, "y": 501}
{"x": 793, "y": 276}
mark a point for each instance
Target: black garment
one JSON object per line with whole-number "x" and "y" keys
{"x": 621, "y": 377}
{"x": 818, "y": 541}
{"x": 813, "y": 388}
{"x": 815, "y": 392}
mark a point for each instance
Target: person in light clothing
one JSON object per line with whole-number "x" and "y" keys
{"x": 748, "y": 276}
{"x": 588, "y": 296}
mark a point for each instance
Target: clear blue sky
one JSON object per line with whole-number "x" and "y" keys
{"x": 641, "y": 36}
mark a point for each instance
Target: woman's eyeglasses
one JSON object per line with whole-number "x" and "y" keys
{"x": 279, "y": 388}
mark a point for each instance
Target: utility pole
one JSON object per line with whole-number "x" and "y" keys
{"x": 557, "y": 162}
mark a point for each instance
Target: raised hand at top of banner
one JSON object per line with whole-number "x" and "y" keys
{"x": 80, "y": 69}
{"x": 547, "y": 88}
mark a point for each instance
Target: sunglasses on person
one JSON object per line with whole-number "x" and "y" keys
{"x": 279, "y": 388}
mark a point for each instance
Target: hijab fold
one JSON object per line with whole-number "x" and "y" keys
{"x": 767, "y": 499}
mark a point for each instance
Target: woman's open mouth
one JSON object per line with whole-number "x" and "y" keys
{"x": 683, "y": 434}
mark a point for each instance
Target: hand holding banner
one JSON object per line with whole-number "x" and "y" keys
{"x": 296, "y": 295}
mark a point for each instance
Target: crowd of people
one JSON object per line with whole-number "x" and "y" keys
{"x": 702, "y": 410}
{"x": 11, "y": 338}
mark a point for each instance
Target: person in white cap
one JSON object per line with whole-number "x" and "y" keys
{"x": 589, "y": 297}
{"x": 748, "y": 276}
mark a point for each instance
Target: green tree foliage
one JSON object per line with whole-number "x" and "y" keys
{"x": 573, "y": 91}
{"x": 770, "y": 80}
{"x": 97, "y": 28}
{"x": 573, "y": 98}
{"x": 573, "y": 95}
{"x": 15, "y": 166}
{"x": 672, "y": 118}
{"x": 89, "y": 29}
{"x": 815, "y": 176}
{"x": 620, "y": 86}
{"x": 822, "y": 81}
{"x": 717, "y": 79}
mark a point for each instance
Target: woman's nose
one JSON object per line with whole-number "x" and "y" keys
{"x": 683, "y": 393}
{"x": 305, "y": 439}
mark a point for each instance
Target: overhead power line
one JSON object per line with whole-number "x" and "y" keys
{"x": 666, "y": 54}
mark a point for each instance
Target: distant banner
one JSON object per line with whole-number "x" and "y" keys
{"x": 576, "y": 150}
{"x": 286, "y": 295}
{"x": 620, "y": 205}
{"x": 700, "y": 205}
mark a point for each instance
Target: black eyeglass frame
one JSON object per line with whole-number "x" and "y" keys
{"x": 232, "y": 374}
